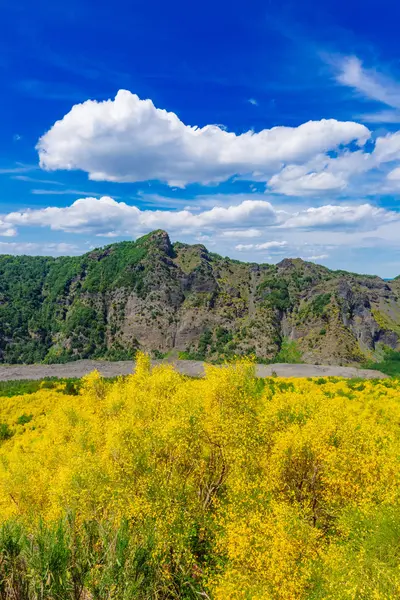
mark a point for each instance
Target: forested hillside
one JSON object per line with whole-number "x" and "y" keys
{"x": 163, "y": 297}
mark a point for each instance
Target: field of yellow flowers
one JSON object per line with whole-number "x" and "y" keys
{"x": 158, "y": 486}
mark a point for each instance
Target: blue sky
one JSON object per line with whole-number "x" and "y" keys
{"x": 262, "y": 129}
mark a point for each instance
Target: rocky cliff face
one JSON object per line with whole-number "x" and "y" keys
{"x": 161, "y": 297}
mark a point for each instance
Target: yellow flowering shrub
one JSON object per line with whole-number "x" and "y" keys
{"x": 227, "y": 487}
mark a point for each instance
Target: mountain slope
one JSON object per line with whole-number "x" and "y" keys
{"x": 160, "y": 297}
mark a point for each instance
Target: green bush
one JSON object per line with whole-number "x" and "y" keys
{"x": 275, "y": 292}
{"x": 5, "y": 432}
{"x": 24, "y": 419}
{"x": 288, "y": 353}
{"x": 70, "y": 389}
{"x": 319, "y": 304}
{"x": 27, "y": 386}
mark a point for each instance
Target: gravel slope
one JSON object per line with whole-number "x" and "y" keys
{"x": 194, "y": 368}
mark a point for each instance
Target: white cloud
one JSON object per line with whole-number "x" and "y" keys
{"x": 387, "y": 148}
{"x": 18, "y": 168}
{"x": 6, "y": 230}
{"x": 382, "y": 116}
{"x": 128, "y": 139}
{"x": 9, "y": 232}
{"x": 29, "y": 179}
{"x": 331, "y": 176}
{"x": 394, "y": 175}
{"x": 205, "y": 239}
{"x": 372, "y": 85}
{"x": 294, "y": 180}
{"x": 242, "y": 233}
{"x": 61, "y": 248}
{"x": 360, "y": 216}
{"x": 109, "y": 234}
{"x": 106, "y": 216}
{"x": 337, "y": 230}
{"x": 264, "y": 246}
{"x": 369, "y": 82}
{"x": 346, "y": 166}
{"x": 316, "y": 257}
{"x": 40, "y": 192}
{"x": 253, "y": 101}
{"x": 41, "y": 249}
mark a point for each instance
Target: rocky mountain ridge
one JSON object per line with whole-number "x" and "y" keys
{"x": 163, "y": 297}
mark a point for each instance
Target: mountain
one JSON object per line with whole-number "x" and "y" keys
{"x": 158, "y": 296}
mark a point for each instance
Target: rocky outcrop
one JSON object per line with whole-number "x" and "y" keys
{"x": 164, "y": 297}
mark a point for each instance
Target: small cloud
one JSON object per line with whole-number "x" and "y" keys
{"x": 339, "y": 216}
{"x": 18, "y": 168}
{"x": 295, "y": 180}
{"x": 6, "y": 230}
{"x": 253, "y": 101}
{"x": 371, "y": 84}
{"x": 382, "y": 116}
{"x": 394, "y": 175}
{"x": 264, "y": 246}
{"x": 205, "y": 239}
{"x": 242, "y": 233}
{"x": 317, "y": 257}
{"x": 33, "y": 180}
{"x": 17, "y": 137}
{"x": 10, "y": 232}
{"x": 109, "y": 234}
{"x": 39, "y": 192}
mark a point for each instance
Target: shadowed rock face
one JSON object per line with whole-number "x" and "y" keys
{"x": 159, "y": 296}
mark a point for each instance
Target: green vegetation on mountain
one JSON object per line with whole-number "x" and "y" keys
{"x": 163, "y": 297}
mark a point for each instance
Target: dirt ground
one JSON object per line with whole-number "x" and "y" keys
{"x": 188, "y": 367}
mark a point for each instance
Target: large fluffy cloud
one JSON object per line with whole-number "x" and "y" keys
{"x": 128, "y": 139}
{"x": 106, "y": 216}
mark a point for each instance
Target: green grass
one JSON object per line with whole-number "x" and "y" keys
{"x": 390, "y": 365}
{"x": 60, "y": 561}
{"x": 18, "y": 387}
